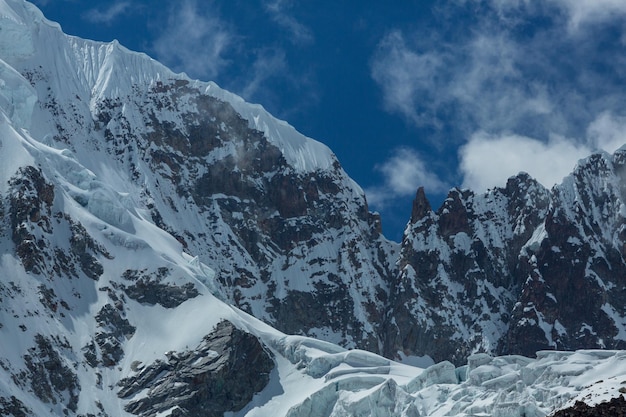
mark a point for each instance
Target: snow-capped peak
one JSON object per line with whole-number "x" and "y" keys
{"x": 108, "y": 70}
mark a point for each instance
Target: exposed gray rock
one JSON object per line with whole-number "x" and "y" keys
{"x": 114, "y": 330}
{"x": 13, "y": 407}
{"x": 31, "y": 198}
{"x": 83, "y": 247}
{"x": 90, "y": 354}
{"x": 49, "y": 299}
{"x": 51, "y": 379}
{"x": 32, "y": 225}
{"x": 147, "y": 288}
{"x": 221, "y": 374}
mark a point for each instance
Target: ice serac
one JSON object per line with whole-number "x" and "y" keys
{"x": 17, "y": 97}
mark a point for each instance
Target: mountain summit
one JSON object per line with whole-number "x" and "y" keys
{"x": 159, "y": 236}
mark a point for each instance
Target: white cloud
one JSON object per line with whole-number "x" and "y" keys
{"x": 523, "y": 88}
{"x": 607, "y": 132}
{"x": 300, "y": 33}
{"x": 107, "y": 16}
{"x": 194, "y": 42}
{"x": 487, "y": 160}
{"x": 582, "y": 12}
{"x": 403, "y": 173}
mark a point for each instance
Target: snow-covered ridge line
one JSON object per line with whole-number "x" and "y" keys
{"x": 110, "y": 69}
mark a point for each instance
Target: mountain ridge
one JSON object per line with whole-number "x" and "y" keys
{"x": 119, "y": 122}
{"x": 287, "y": 231}
{"x": 510, "y": 248}
{"x": 144, "y": 215}
{"x": 196, "y": 176}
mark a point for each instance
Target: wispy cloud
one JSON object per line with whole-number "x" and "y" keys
{"x": 406, "y": 77}
{"x": 268, "y": 76}
{"x": 110, "y": 14}
{"x": 529, "y": 86}
{"x": 581, "y": 12}
{"x": 482, "y": 82}
{"x": 208, "y": 44}
{"x": 607, "y": 132}
{"x": 279, "y": 12}
{"x": 194, "y": 41}
{"x": 403, "y": 173}
{"x": 268, "y": 63}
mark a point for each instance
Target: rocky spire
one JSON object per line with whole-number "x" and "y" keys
{"x": 421, "y": 206}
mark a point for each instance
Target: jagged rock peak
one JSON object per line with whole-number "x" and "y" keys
{"x": 544, "y": 265}
{"x": 421, "y": 206}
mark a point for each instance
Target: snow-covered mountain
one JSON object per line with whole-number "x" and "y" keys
{"x": 516, "y": 270}
{"x": 156, "y": 231}
{"x": 271, "y": 211}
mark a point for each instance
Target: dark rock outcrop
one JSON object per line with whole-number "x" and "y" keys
{"x": 50, "y": 377}
{"x": 147, "y": 288}
{"x": 13, "y": 407}
{"x": 31, "y": 198}
{"x": 33, "y": 222}
{"x": 113, "y": 330}
{"x": 220, "y": 375}
{"x": 616, "y": 407}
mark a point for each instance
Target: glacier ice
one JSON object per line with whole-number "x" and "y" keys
{"x": 104, "y": 205}
{"x": 17, "y": 97}
{"x": 16, "y": 41}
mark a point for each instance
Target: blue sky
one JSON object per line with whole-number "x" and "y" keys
{"x": 434, "y": 93}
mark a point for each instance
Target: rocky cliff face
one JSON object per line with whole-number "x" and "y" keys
{"x": 459, "y": 269}
{"x": 296, "y": 247}
{"x": 221, "y": 374}
{"x": 574, "y": 292}
{"x": 515, "y": 270}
